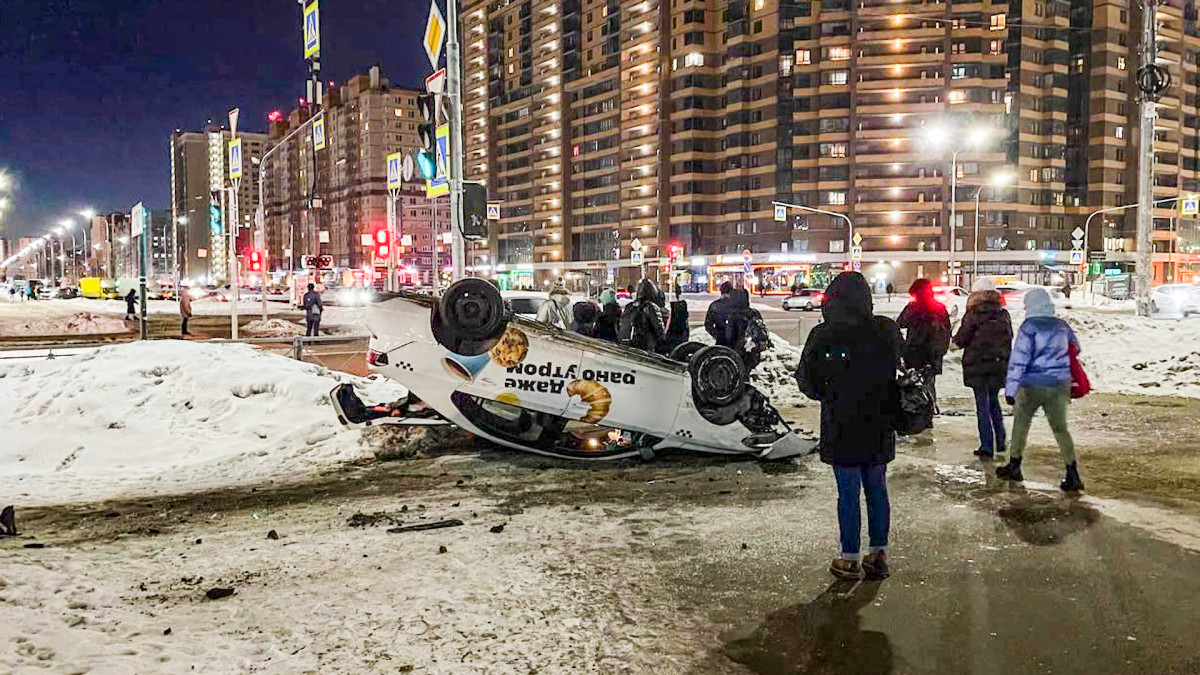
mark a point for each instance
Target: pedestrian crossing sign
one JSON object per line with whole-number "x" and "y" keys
{"x": 235, "y": 159}
{"x": 1076, "y": 257}
{"x": 1190, "y": 206}
{"x": 439, "y": 185}
{"x": 312, "y": 31}
{"x": 319, "y": 133}
{"x": 395, "y": 170}
{"x": 780, "y": 213}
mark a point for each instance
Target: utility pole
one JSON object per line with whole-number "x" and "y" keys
{"x": 1147, "y": 115}
{"x": 454, "y": 113}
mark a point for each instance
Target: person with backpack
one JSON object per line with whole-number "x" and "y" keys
{"x": 313, "y": 307}
{"x": 584, "y": 314}
{"x": 849, "y": 364}
{"x": 556, "y": 311}
{"x": 926, "y": 324}
{"x": 608, "y": 324}
{"x": 1039, "y": 376}
{"x": 718, "y": 314}
{"x": 745, "y": 331}
{"x": 985, "y": 336}
{"x": 641, "y": 322}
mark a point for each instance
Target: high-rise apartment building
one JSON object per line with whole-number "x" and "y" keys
{"x": 365, "y": 120}
{"x": 958, "y": 137}
{"x": 200, "y": 191}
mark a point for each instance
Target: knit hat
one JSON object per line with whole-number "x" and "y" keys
{"x": 983, "y": 284}
{"x": 608, "y": 296}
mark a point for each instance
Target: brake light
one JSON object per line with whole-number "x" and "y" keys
{"x": 375, "y": 358}
{"x": 820, "y": 297}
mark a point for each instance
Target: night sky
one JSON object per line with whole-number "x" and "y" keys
{"x": 93, "y": 88}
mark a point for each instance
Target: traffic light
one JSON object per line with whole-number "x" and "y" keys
{"x": 256, "y": 260}
{"x": 474, "y": 210}
{"x": 383, "y": 244}
{"x": 675, "y": 251}
{"x": 427, "y": 131}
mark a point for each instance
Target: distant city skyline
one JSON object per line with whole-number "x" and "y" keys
{"x": 93, "y": 96}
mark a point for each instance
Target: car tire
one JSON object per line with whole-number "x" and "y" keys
{"x": 808, "y": 307}
{"x": 1153, "y": 307}
{"x": 473, "y": 309}
{"x": 684, "y": 352}
{"x": 718, "y": 376}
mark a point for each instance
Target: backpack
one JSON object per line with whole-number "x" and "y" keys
{"x": 632, "y": 327}
{"x": 746, "y": 332}
{"x": 916, "y": 404}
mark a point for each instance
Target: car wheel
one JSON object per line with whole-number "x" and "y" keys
{"x": 1153, "y": 307}
{"x": 808, "y": 307}
{"x": 473, "y": 309}
{"x": 718, "y": 376}
{"x": 684, "y": 352}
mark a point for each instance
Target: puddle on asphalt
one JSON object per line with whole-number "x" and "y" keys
{"x": 822, "y": 636}
{"x": 1044, "y": 521}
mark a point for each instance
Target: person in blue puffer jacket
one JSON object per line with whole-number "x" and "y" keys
{"x": 1039, "y": 376}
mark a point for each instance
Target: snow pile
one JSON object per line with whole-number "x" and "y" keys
{"x": 775, "y": 375}
{"x": 1137, "y": 355}
{"x": 168, "y": 415}
{"x": 81, "y": 323}
{"x": 272, "y": 328}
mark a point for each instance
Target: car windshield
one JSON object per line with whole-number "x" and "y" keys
{"x": 526, "y": 305}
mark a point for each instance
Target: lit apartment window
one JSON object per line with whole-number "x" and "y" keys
{"x": 604, "y": 11}
{"x": 839, "y": 53}
{"x": 838, "y": 76}
{"x": 786, "y": 61}
{"x": 511, "y": 69}
{"x": 398, "y": 112}
{"x": 510, "y": 52}
{"x": 1120, "y": 63}
{"x": 760, "y": 5}
{"x": 958, "y": 72}
{"x": 835, "y": 197}
{"x": 997, "y": 22}
{"x": 693, "y": 59}
{"x": 996, "y": 46}
{"x": 957, "y": 96}
{"x": 833, "y": 149}
{"x": 1120, "y": 133}
{"x": 1033, "y": 175}
{"x": 803, "y": 57}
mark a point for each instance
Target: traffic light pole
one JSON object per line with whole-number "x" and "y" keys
{"x": 454, "y": 113}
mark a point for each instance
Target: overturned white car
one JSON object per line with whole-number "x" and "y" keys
{"x": 467, "y": 360}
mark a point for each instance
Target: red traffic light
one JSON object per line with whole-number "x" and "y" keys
{"x": 256, "y": 260}
{"x": 383, "y": 244}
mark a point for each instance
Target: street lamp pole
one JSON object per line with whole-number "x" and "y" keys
{"x": 953, "y": 212}
{"x": 849, "y": 223}
{"x": 1087, "y": 228}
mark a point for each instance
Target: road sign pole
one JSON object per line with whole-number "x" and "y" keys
{"x": 234, "y": 285}
{"x": 393, "y": 238}
{"x": 454, "y": 110}
{"x": 140, "y": 220}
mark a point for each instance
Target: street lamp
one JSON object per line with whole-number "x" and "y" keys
{"x": 975, "y": 138}
{"x": 998, "y": 180}
{"x": 69, "y": 224}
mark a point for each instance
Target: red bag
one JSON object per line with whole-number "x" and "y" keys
{"x": 1080, "y": 385}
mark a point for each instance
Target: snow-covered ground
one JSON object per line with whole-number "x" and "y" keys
{"x": 79, "y": 323}
{"x": 155, "y": 417}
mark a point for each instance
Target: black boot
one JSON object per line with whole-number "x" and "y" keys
{"x": 1072, "y": 483}
{"x": 1011, "y": 471}
{"x": 8, "y": 522}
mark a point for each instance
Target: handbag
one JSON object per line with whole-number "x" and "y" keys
{"x": 1080, "y": 384}
{"x": 915, "y": 402}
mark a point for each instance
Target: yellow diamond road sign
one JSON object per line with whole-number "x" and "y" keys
{"x": 435, "y": 34}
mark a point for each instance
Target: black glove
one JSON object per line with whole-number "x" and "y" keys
{"x": 1010, "y": 400}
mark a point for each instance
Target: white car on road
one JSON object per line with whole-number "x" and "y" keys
{"x": 1182, "y": 299}
{"x": 806, "y": 299}
{"x": 524, "y": 303}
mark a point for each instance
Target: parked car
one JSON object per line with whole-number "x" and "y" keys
{"x": 806, "y": 299}
{"x": 1013, "y": 295}
{"x": 355, "y": 296}
{"x": 1182, "y": 299}
{"x": 466, "y": 360}
{"x": 525, "y": 303}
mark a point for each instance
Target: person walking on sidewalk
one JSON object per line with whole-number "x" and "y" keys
{"x": 1039, "y": 376}
{"x": 985, "y": 337}
{"x": 131, "y": 305}
{"x": 849, "y": 364}
{"x": 185, "y": 310}
{"x": 926, "y": 325}
{"x": 313, "y": 307}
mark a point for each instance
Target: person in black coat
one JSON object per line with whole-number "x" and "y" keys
{"x": 131, "y": 299}
{"x": 849, "y": 364}
{"x": 927, "y": 333}
{"x": 985, "y": 337}
{"x": 677, "y": 327}
{"x": 609, "y": 321}
{"x": 642, "y": 319}
{"x": 718, "y": 314}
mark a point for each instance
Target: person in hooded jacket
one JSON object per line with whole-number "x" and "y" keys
{"x": 641, "y": 322}
{"x": 677, "y": 326}
{"x": 849, "y": 364}
{"x": 131, "y": 299}
{"x": 718, "y": 314}
{"x": 745, "y": 332}
{"x": 609, "y": 321}
{"x": 557, "y": 310}
{"x": 1039, "y": 376}
{"x": 927, "y": 333}
{"x": 985, "y": 336}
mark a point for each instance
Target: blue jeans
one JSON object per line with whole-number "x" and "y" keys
{"x": 870, "y": 479}
{"x": 990, "y": 419}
